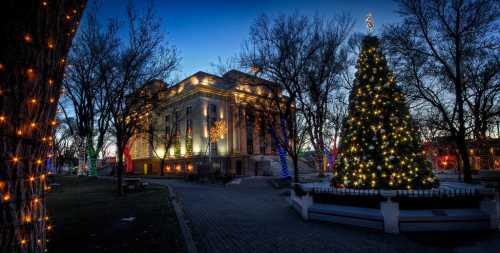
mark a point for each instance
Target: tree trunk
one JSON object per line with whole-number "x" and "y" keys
{"x": 162, "y": 164}
{"x": 295, "y": 160}
{"x": 319, "y": 161}
{"x": 119, "y": 170}
{"x": 82, "y": 159}
{"x": 36, "y": 36}
{"x": 92, "y": 157}
{"x": 464, "y": 156}
{"x": 92, "y": 163}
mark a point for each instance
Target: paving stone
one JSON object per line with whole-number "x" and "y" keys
{"x": 254, "y": 217}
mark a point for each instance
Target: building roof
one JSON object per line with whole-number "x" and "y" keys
{"x": 231, "y": 80}
{"x": 237, "y": 76}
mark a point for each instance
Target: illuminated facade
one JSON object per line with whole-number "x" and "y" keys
{"x": 442, "y": 152}
{"x": 190, "y": 110}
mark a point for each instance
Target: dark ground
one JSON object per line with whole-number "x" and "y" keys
{"x": 253, "y": 217}
{"x": 87, "y": 216}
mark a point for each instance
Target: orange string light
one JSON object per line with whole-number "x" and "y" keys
{"x": 15, "y": 159}
{"x": 6, "y": 197}
{"x": 28, "y": 38}
{"x": 30, "y": 73}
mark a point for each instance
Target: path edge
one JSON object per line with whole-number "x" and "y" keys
{"x": 186, "y": 232}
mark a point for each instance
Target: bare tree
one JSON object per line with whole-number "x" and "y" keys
{"x": 36, "y": 37}
{"x": 223, "y": 65}
{"x": 431, "y": 48}
{"x": 85, "y": 96}
{"x": 144, "y": 58}
{"x": 335, "y": 119}
{"x": 279, "y": 50}
{"x": 162, "y": 127}
{"x": 321, "y": 78}
{"x": 483, "y": 91}
{"x": 65, "y": 148}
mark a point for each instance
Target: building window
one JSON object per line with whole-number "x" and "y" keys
{"x": 188, "y": 117}
{"x": 250, "y": 119}
{"x": 189, "y": 132}
{"x": 167, "y": 125}
{"x": 211, "y": 119}
{"x": 177, "y": 141}
{"x": 262, "y": 136}
{"x": 212, "y": 115}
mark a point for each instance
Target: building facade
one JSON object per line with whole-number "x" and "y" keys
{"x": 206, "y": 124}
{"x": 442, "y": 152}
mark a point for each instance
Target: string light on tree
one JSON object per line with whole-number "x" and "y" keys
{"x": 27, "y": 37}
{"x": 27, "y": 124}
{"x": 375, "y": 150}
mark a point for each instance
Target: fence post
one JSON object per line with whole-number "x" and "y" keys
{"x": 390, "y": 212}
{"x": 307, "y": 201}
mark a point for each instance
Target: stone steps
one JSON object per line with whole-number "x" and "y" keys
{"x": 304, "y": 169}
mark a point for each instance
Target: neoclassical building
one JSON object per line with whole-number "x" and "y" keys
{"x": 187, "y": 112}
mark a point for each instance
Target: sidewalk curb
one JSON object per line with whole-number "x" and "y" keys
{"x": 186, "y": 232}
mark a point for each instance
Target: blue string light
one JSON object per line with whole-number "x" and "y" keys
{"x": 285, "y": 174}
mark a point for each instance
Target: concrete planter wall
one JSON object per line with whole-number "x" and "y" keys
{"x": 391, "y": 219}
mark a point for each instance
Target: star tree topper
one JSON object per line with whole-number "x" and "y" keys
{"x": 370, "y": 23}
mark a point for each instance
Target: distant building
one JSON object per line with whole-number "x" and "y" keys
{"x": 192, "y": 107}
{"x": 442, "y": 152}
{"x": 106, "y": 165}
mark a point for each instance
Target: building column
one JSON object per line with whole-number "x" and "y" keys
{"x": 243, "y": 133}
{"x": 229, "y": 123}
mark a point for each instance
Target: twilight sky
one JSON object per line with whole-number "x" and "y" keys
{"x": 204, "y": 30}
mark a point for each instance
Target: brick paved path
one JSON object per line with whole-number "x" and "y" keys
{"x": 253, "y": 217}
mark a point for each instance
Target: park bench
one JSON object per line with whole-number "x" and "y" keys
{"x": 134, "y": 184}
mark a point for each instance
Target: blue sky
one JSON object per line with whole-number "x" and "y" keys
{"x": 205, "y": 30}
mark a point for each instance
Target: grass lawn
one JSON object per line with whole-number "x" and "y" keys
{"x": 87, "y": 216}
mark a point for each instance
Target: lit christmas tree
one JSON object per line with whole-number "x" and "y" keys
{"x": 380, "y": 147}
